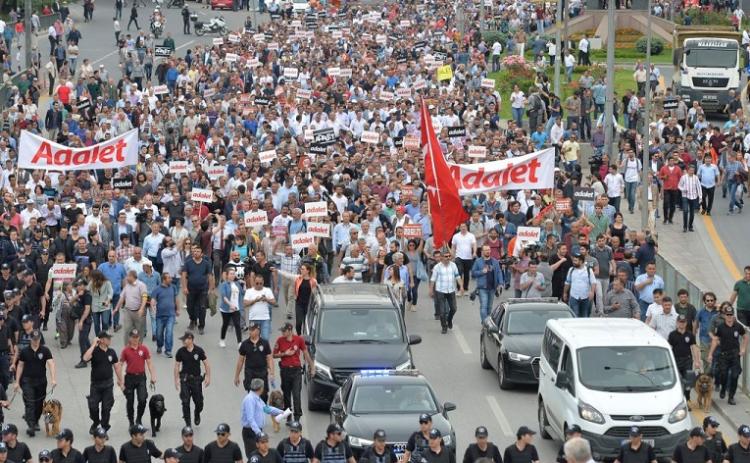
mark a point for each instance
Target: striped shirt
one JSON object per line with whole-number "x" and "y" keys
{"x": 444, "y": 276}
{"x": 690, "y": 186}
{"x": 290, "y": 264}
{"x": 359, "y": 264}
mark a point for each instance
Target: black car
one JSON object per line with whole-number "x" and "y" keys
{"x": 511, "y": 338}
{"x": 353, "y": 327}
{"x": 389, "y": 400}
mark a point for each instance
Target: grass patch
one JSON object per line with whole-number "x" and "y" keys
{"x": 631, "y": 55}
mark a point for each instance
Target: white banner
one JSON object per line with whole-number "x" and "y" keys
{"x": 533, "y": 171}
{"x": 35, "y": 152}
{"x": 201, "y": 195}
{"x": 316, "y": 209}
{"x": 256, "y": 219}
{"x": 320, "y": 229}
{"x": 64, "y": 271}
{"x": 302, "y": 241}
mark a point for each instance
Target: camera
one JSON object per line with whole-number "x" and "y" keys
{"x": 474, "y": 294}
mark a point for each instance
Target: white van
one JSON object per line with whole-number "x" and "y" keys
{"x": 607, "y": 375}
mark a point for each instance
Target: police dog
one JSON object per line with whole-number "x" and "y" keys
{"x": 52, "y": 414}
{"x": 704, "y": 388}
{"x": 156, "y": 410}
{"x": 276, "y": 399}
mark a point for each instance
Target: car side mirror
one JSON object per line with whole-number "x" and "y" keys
{"x": 493, "y": 329}
{"x": 307, "y": 339}
{"x": 415, "y": 339}
{"x": 562, "y": 382}
{"x": 449, "y": 406}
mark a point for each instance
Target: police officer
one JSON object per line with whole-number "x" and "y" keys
{"x": 3, "y": 453}
{"x": 138, "y": 449}
{"x": 222, "y": 450}
{"x": 436, "y": 452}
{"x": 23, "y": 336}
{"x": 172, "y": 456}
{"x": 419, "y": 440}
{"x": 686, "y": 352}
{"x": 571, "y": 432}
{"x": 136, "y": 358}
{"x": 103, "y": 361}
{"x": 739, "y": 452}
{"x": 714, "y": 440}
{"x": 635, "y": 450}
{"x": 378, "y": 452}
{"x": 7, "y": 351}
{"x": 728, "y": 336}
{"x": 18, "y": 452}
{"x": 482, "y": 448}
{"x": 264, "y": 453}
{"x": 100, "y": 452}
{"x": 190, "y": 453}
{"x": 185, "y": 20}
{"x": 45, "y": 456}
{"x": 522, "y": 451}
{"x": 65, "y": 453}
{"x": 295, "y": 448}
{"x": 188, "y": 378}
{"x": 257, "y": 358}
{"x": 333, "y": 449}
{"x": 693, "y": 450}
{"x": 31, "y": 377}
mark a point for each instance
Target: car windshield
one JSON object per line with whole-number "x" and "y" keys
{"x": 389, "y": 398}
{"x": 626, "y": 369}
{"x": 711, "y": 58}
{"x": 360, "y": 325}
{"x": 532, "y": 321}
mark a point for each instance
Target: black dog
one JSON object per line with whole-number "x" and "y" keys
{"x": 156, "y": 410}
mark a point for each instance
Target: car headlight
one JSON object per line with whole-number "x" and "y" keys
{"x": 324, "y": 371}
{"x": 447, "y": 440}
{"x": 679, "y": 413}
{"x": 404, "y": 366}
{"x": 359, "y": 442}
{"x": 589, "y": 413}
{"x": 516, "y": 357}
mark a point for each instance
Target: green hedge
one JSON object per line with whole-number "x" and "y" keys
{"x": 657, "y": 45}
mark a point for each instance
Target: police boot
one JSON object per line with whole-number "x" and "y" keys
{"x": 444, "y": 324}
{"x": 731, "y": 401}
{"x": 197, "y": 418}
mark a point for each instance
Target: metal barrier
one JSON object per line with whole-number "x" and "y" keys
{"x": 674, "y": 281}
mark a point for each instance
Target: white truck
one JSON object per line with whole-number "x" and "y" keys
{"x": 707, "y": 65}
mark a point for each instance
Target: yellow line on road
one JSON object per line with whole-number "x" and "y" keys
{"x": 721, "y": 249}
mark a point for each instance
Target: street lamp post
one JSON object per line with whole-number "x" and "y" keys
{"x": 558, "y": 46}
{"x": 27, "y": 31}
{"x": 609, "y": 103}
{"x": 646, "y": 158}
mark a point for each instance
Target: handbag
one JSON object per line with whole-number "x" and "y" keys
{"x": 422, "y": 272}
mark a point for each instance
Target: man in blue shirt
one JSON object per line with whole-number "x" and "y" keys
{"x": 115, "y": 273}
{"x": 165, "y": 298}
{"x": 539, "y": 138}
{"x": 708, "y": 174}
{"x": 197, "y": 280}
{"x": 705, "y": 319}
{"x": 151, "y": 279}
{"x": 253, "y": 416}
{"x": 645, "y": 284}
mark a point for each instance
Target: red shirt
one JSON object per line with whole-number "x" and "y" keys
{"x": 135, "y": 359}
{"x": 64, "y": 93}
{"x": 282, "y": 345}
{"x": 670, "y": 176}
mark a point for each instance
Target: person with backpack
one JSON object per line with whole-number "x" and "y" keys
{"x": 580, "y": 287}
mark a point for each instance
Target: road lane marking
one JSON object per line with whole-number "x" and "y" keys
{"x": 721, "y": 249}
{"x": 461, "y": 340}
{"x": 105, "y": 57}
{"x": 185, "y": 44}
{"x": 499, "y": 416}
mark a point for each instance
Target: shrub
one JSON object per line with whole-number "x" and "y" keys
{"x": 491, "y": 37}
{"x": 705, "y": 18}
{"x": 657, "y": 45}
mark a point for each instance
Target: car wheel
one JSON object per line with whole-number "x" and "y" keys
{"x": 502, "y": 380}
{"x": 311, "y": 404}
{"x": 483, "y": 355}
{"x": 543, "y": 423}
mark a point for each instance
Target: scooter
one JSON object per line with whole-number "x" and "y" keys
{"x": 176, "y": 3}
{"x": 217, "y": 25}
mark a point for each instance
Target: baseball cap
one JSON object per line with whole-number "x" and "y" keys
{"x": 187, "y": 431}
{"x": 36, "y": 335}
{"x": 10, "y": 428}
{"x": 262, "y": 437}
{"x": 45, "y": 455}
{"x": 100, "y": 432}
{"x": 286, "y": 326}
{"x": 379, "y": 435}
{"x": 481, "y": 431}
{"x": 27, "y": 318}
{"x": 635, "y": 431}
{"x": 573, "y": 429}
{"x": 254, "y": 326}
{"x": 103, "y": 334}
{"x": 294, "y": 426}
{"x": 3, "y": 447}
{"x": 171, "y": 453}
{"x": 710, "y": 421}
{"x": 2, "y": 314}
{"x": 5, "y": 266}
{"x": 334, "y": 428}
{"x": 729, "y": 310}
{"x": 681, "y": 318}
{"x": 744, "y": 431}
{"x": 29, "y": 201}
{"x": 435, "y": 433}
{"x": 523, "y": 431}
{"x": 425, "y": 418}
{"x": 65, "y": 434}
{"x": 134, "y": 333}
{"x": 222, "y": 428}
{"x": 697, "y": 432}
{"x": 138, "y": 429}
{"x": 188, "y": 334}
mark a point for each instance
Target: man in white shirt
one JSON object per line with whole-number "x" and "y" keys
{"x": 583, "y": 51}
{"x": 258, "y": 301}
{"x": 615, "y": 186}
{"x": 692, "y": 194}
{"x": 666, "y": 321}
{"x": 463, "y": 249}
{"x": 30, "y": 212}
{"x": 631, "y": 166}
{"x": 347, "y": 276}
{"x": 497, "y": 50}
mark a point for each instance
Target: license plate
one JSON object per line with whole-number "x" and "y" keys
{"x": 710, "y": 97}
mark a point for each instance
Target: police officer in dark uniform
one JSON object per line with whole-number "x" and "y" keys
{"x": 419, "y": 440}
{"x": 23, "y": 336}
{"x": 264, "y": 453}
{"x": 295, "y": 448}
{"x": 739, "y": 452}
{"x": 571, "y": 432}
{"x": 188, "y": 378}
{"x": 103, "y": 362}
{"x": 31, "y": 376}
{"x": 18, "y": 452}
{"x": 693, "y": 450}
{"x": 635, "y": 450}
{"x": 714, "y": 440}
{"x": 100, "y": 452}
{"x": 379, "y": 452}
{"x": 172, "y": 456}
{"x": 45, "y": 456}
{"x": 190, "y": 453}
{"x": 482, "y": 448}
{"x": 733, "y": 340}
{"x": 522, "y": 450}
{"x": 65, "y": 453}
{"x": 223, "y": 449}
{"x": 686, "y": 352}
{"x": 436, "y": 452}
{"x": 257, "y": 357}
{"x": 185, "y": 20}
{"x": 138, "y": 449}
{"x": 333, "y": 449}
{"x": 7, "y": 352}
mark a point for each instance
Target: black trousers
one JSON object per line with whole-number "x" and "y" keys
{"x": 101, "y": 393}
{"x": 707, "y": 201}
{"x": 447, "y": 307}
{"x": 300, "y": 313}
{"x": 34, "y": 393}
{"x": 250, "y": 441}
{"x": 291, "y": 387}
{"x": 729, "y": 368}
{"x": 197, "y": 301}
{"x": 133, "y": 20}
{"x": 671, "y": 197}
{"x": 4, "y": 369}
{"x": 464, "y": 268}
{"x": 251, "y": 374}
{"x": 135, "y": 384}
{"x": 232, "y": 318}
{"x": 185, "y": 26}
{"x": 191, "y": 387}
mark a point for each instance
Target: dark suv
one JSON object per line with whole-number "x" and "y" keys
{"x": 349, "y": 328}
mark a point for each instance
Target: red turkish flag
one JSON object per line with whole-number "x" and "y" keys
{"x": 442, "y": 192}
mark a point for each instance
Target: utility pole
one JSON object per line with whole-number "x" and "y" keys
{"x": 565, "y": 18}
{"x": 558, "y": 46}
{"x": 609, "y": 103}
{"x": 27, "y": 28}
{"x": 646, "y": 158}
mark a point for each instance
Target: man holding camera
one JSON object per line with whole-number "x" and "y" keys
{"x": 103, "y": 361}
{"x": 486, "y": 271}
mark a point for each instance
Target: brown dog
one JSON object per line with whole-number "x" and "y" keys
{"x": 704, "y": 388}
{"x": 276, "y": 399}
{"x": 52, "y": 414}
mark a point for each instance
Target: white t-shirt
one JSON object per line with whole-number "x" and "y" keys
{"x": 261, "y": 310}
{"x": 583, "y": 45}
{"x": 615, "y": 185}
{"x": 570, "y": 61}
{"x": 463, "y": 244}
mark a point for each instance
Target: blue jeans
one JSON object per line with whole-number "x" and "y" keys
{"x": 152, "y": 315}
{"x": 540, "y": 26}
{"x": 412, "y": 293}
{"x": 101, "y": 321}
{"x": 644, "y": 307}
{"x": 569, "y": 73}
{"x": 733, "y": 195}
{"x": 517, "y": 115}
{"x": 265, "y": 328}
{"x": 165, "y": 332}
{"x": 115, "y": 317}
{"x": 630, "y": 192}
{"x": 580, "y": 307}
{"x": 486, "y": 297}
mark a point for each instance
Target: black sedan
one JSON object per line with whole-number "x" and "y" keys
{"x": 390, "y": 400}
{"x": 511, "y": 338}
